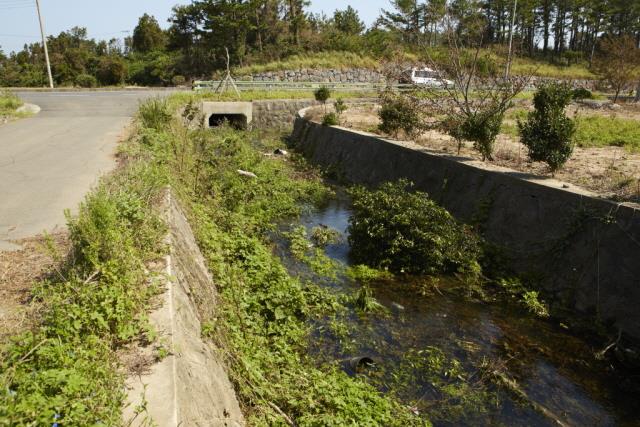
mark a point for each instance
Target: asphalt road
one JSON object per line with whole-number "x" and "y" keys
{"x": 50, "y": 161}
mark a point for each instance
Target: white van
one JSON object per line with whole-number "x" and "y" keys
{"x": 425, "y": 77}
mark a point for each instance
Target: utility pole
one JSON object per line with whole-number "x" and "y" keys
{"x": 513, "y": 23}
{"x": 44, "y": 44}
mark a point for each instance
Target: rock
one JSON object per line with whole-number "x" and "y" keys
{"x": 397, "y": 306}
{"x": 247, "y": 174}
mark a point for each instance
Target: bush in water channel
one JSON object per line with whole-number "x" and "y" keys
{"x": 406, "y": 232}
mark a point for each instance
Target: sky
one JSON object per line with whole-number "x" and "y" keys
{"x": 110, "y": 19}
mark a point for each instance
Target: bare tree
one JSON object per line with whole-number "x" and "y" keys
{"x": 618, "y": 62}
{"x": 473, "y": 94}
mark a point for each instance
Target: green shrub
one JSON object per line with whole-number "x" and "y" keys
{"x": 340, "y": 107}
{"x": 155, "y": 113}
{"x": 178, "y": 80}
{"x": 407, "y": 232}
{"x": 322, "y": 94}
{"x": 9, "y": 102}
{"x": 86, "y": 81}
{"x": 548, "y": 132}
{"x": 581, "y": 93}
{"x": 112, "y": 70}
{"x": 330, "y": 119}
{"x": 482, "y": 127}
{"x": 399, "y": 112}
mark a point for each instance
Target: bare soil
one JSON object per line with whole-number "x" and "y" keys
{"x": 611, "y": 172}
{"x": 19, "y": 271}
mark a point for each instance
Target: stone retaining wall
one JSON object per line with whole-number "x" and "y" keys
{"x": 362, "y": 75}
{"x": 278, "y": 113}
{"x": 353, "y": 75}
{"x": 583, "y": 251}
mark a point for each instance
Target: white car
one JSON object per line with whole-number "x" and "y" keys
{"x": 426, "y": 77}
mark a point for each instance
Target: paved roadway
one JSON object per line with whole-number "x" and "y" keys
{"x": 50, "y": 161}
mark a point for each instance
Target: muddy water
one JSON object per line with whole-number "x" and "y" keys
{"x": 557, "y": 379}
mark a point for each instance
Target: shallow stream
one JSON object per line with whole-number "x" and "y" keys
{"x": 512, "y": 368}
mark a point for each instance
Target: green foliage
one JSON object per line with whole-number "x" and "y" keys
{"x": 340, "y": 107}
{"x": 600, "y": 131}
{"x": 365, "y": 302}
{"x": 348, "y": 21}
{"x": 322, "y": 236}
{"x": 581, "y": 93}
{"x": 155, "y": 113}
{"x": 330, "y": 119}
{"x": 86, "y": 81}
{"x": 263, "y": 316}
{"x": 548, "y": 132}
{"x": 406, "y": 232}
{"x": 482, "y": 127}
{"x": 147, "y": 35}
{"x": 112, "y": 70}
{"x": 303, "y": 250}
{"x": 447, "y": 379}
{"x": 329, "y": 59}
{"x": 365, "y": 274}
{"x": 531, "y": 300}
{"x": 528, "y": 298}
{"x": 399, "y": 112}
{"x": 9, "y": 103}
{"x": 65, "y": 370}
{"x": 322, "y": 94}
{"x": 178, "y": 80}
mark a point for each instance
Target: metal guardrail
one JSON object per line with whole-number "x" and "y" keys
{"x": 199, "y": 85}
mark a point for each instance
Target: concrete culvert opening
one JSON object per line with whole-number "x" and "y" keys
{"x": 237, "y": 121}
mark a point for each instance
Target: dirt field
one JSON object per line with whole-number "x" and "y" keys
{"x": 612, "y": 172}
{"x": 19, "y": 271}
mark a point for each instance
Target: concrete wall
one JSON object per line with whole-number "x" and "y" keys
{"x": 190, "y": 386}
{"x": 242, "y": 109}
{"x": 583, "y": 250}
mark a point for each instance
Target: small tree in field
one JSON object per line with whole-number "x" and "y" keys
{"x": 618, "y": 62}
{"x": 322, "y": 94}
{"x": 399, "y": 112}
{"x": 548, "y": 132}
{"x": 476, "y": 93}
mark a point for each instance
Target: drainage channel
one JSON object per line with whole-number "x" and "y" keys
{"x": 459, "y": 360}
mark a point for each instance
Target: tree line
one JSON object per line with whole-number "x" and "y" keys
{"x": 257, "y": 31}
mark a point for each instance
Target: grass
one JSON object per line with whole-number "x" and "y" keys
{"x": 539, "y": 68}
{"x": 591, "y": 130}
{"x": 258, "y": 95}
{"x": 599, "y": 131}
{"x": 65, "y": 370}
{"x": 314, "y": 61}
{"x": 9, "y": 103}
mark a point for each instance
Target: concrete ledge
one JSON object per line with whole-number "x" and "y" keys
{"x": 582, "y": 249}
{"x": 189, "y": 387}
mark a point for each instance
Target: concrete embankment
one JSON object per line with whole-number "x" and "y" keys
{"x": 582, "y": 250}
{"x": 189, "y": 387}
